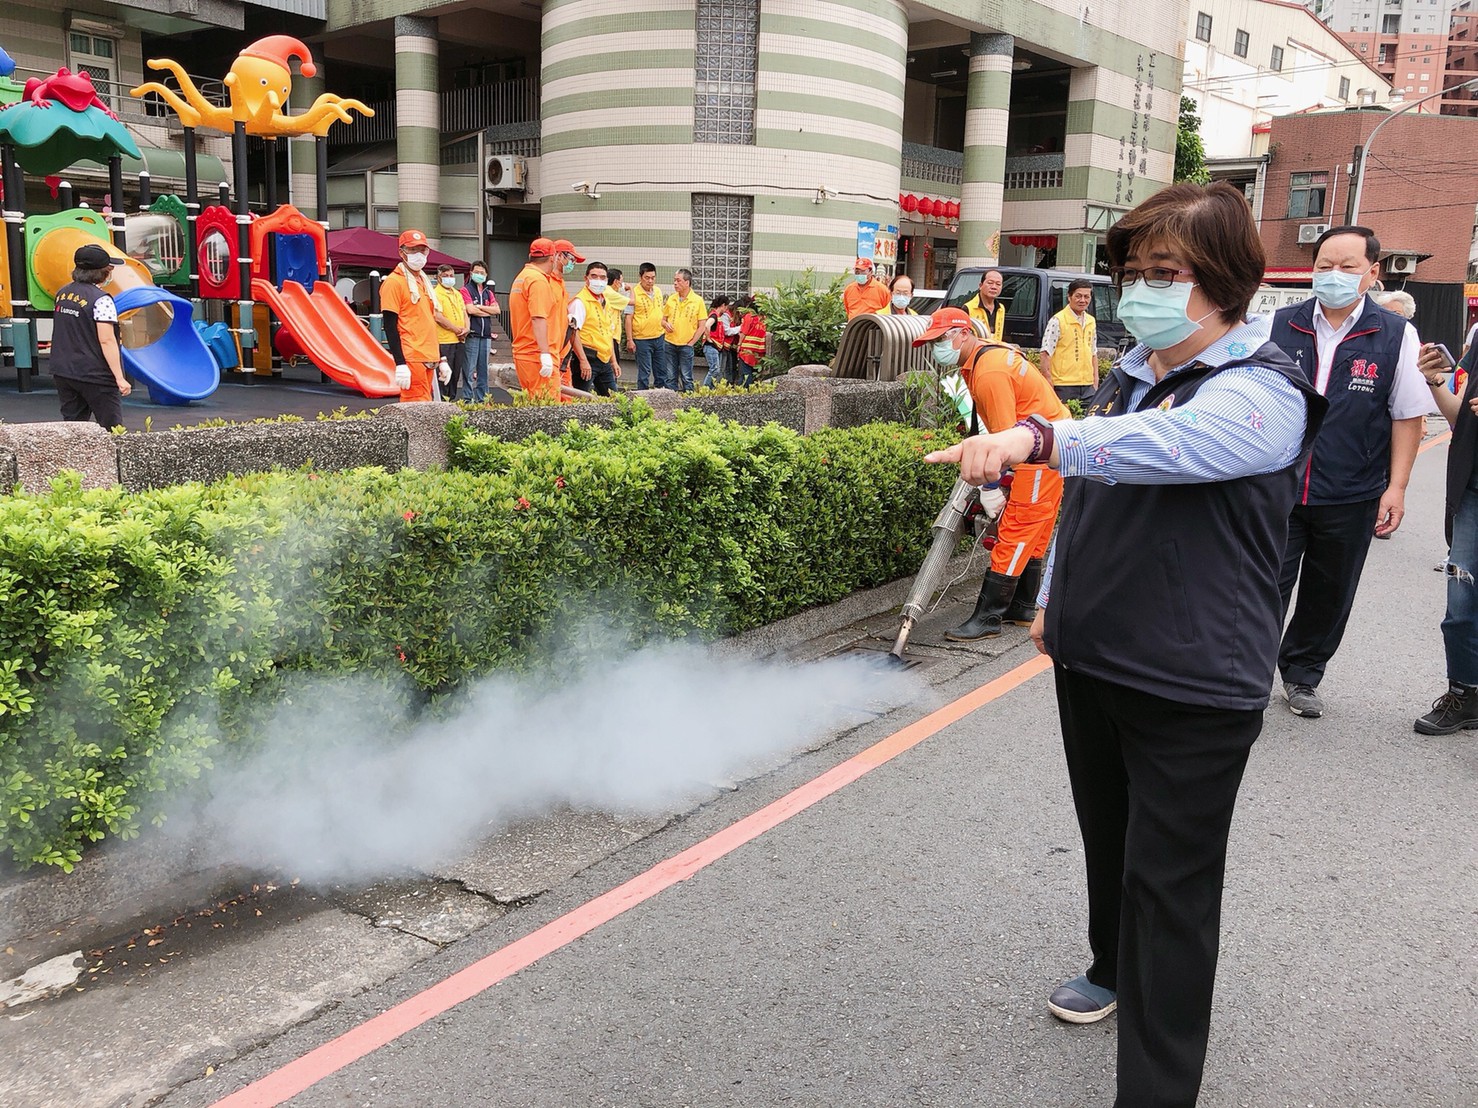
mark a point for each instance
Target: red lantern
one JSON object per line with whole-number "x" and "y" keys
{"x": 910, "y": 203}
{"x": 926, "y": 207}
{"x": 954, "y": 210}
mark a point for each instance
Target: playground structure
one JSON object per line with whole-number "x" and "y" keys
{"x": 220, "y": 253}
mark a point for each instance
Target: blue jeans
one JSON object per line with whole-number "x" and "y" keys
{"x": 1460, "y": 627}
{"x": 715, "y": 359}
{"x": 679, "y": 366}
{"x": 651, "y": 363}
{"x": 475, "y": 379}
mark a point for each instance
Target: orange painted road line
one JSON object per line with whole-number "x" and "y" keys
{"x": 283, "y": 1084}
{"x": 1436, "y": 440}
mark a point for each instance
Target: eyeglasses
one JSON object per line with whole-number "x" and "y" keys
{"x": 1155, "y": 277}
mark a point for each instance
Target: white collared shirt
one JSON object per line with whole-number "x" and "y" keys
{"x": 1409, "y": 396}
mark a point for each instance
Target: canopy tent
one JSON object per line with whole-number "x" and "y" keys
{"x": 367, "y": 249}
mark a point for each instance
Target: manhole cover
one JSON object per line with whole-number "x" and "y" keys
{"x": 879, "y": 656}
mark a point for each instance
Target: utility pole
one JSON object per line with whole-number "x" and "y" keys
{"x": 1363, "y": 152}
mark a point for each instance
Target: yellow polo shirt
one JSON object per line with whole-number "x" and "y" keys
{"x": 452, "y": 307}
{"x": 686, "y": 314}
{"x": 595, "y": 332}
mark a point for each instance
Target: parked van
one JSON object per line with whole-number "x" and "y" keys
{"x": 1033, "y": 296}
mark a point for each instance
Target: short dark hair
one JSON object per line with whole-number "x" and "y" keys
{"x": 481, "y": 263}
{"x": 1372, "y": 244}
{"x": 1212, "y": 226}
{"x": 91, "y": 276}
{"x": 1078, "y": 283}
{"x": 613, "y": 274}
{"x": 685, "y": 274}
{"x": 720, "y": 300}
{"x": 596, "y": 265}
{"x": 893, "y": 284}
{"x": 645, "y": 267}
{"x": 988, "y": 272}
{"x": 445, "y": 268}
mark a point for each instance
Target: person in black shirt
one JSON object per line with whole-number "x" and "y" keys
{"x": 86, "y": 362}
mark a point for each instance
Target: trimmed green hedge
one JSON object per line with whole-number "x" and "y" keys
{"x": 142, "y": 631}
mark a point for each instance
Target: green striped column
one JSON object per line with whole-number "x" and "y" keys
{"x": 302, "y": 185}
{"x": 987, "y": 110}
{"x": 417, "y": 125}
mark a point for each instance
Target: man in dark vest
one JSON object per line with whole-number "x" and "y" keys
{"x": 1161, "y": 613}
{"x": 1363, "y": 359}
{"x": 86, "y": 361}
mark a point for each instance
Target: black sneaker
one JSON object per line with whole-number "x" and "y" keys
{"x": 1455, "y": 710}
{"x": 1303, "y": 700}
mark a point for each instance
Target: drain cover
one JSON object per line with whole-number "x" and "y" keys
{"x": 879, "y": 655}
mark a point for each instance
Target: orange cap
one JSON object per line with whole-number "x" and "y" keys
{"x": 542, "y": 248}
{"x": 945, "y": 319}
{"x": 565, "y": 246}
{"x": 412, "y": 238}
{"x": 862, "y": 263}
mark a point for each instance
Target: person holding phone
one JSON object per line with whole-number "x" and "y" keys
{"x": 1457, "y": 708}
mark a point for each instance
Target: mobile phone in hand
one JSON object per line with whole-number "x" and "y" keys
{"x": 1447, "y": 359}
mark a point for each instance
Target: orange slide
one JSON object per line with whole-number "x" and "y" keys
{"x": 331, "y": 335}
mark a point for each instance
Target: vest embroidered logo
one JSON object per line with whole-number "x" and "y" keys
{"x": 1363, "y": 375}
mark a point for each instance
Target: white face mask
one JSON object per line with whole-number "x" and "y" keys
{"x": 597, "y": 286}
{"x": 448, "y": 282}
{"x": 900, "y": 302}
{"x": 416, "y": 261}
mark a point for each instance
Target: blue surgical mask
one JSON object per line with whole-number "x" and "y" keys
{"x": 945, "y": 354}
{"x": 1336, "y": 289}
{"x": 479, "y": 278}
{"x": 569, "y": 267}
{"x": 900, "y": 302}
{"x": 860, "y": 278}
{"x": 1157, "y": 317}
{"x": 596, "y": 286}
{"x": 448, "y": 282}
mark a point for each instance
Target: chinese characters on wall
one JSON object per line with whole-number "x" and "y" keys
{"x": 1134, "y": 148}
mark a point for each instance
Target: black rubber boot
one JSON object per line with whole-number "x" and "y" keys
{"x": 1023, "y": 607}
{"x": 995, "y": 597}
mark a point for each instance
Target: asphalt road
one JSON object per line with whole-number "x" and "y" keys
{"x": 891, "y": 944}
{"x": 894, "y": 943}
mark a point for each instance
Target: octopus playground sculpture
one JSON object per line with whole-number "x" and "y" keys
{"x": 258, "y": 86}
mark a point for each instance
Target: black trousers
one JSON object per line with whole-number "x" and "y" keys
{"x": 602, "y": 375}
{"x": 84, "y": 400}
{"x": 455, "y": 354}
{"x": 1154, "y": 783}
{"x": 1326, "y": 551}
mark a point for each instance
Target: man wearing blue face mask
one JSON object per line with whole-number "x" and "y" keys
{"x": 1363, "y": 358}
{"x": 866, "y": 293}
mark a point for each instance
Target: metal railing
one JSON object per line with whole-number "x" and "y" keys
{"x": 461, "y": 110}
{"x": 150, "y": 110}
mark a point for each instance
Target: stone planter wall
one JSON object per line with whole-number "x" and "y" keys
{"x": 398, "y": 435}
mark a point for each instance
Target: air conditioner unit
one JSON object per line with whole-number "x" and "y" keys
{"x": 505, "y": 172}
{"x": 1308, "y": 233}
{"x": 1401, "y": 263}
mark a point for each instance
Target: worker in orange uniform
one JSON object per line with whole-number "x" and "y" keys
{"x": 539, "y": 321}
{"x": 408, "y": 305}
{"x": 866, "y": 293}
{"x": 1007, "y": 390}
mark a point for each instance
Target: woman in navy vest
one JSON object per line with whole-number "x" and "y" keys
{"x": 1161, "y": 612}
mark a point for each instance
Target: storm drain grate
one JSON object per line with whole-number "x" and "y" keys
{"x": 879, "y": 656}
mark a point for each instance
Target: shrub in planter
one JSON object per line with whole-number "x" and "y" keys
{"x": 143, "y": 633}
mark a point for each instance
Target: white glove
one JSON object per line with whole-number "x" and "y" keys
{"x": 992, "y": 502}
{"x": 444, "y": 372}
{"x": 403, "y": 377}
{"x": 546, "y": 365}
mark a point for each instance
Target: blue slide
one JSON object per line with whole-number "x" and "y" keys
{"x": 178, "y": 367}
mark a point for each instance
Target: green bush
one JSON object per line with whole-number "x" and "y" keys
{"x": 144, "y": 633}
{"x": 803, "y": 323}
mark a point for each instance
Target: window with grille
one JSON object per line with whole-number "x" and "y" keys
{"x": 1276, "y": 64}
{"x": 1241, "y": 43}
{"x": 727, "y": 60}
{"x": 1306, "y": 195}
{"x": 1203, "y": 26}
{"x": 98, "y": 58}
{"x": 722, "y": 233}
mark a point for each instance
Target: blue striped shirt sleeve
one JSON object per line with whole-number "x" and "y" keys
{"x": 1244, "y": 421}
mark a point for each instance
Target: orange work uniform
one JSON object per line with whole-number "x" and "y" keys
{"x": 415, "y": 315}
{"x": 532, "y": 297}
{"x": 1007, "y": 388}
{"x": 861, "y": 299}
